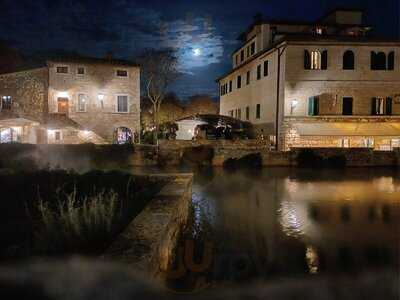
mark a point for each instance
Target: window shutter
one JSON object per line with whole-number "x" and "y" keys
{"x": 373, "y": 61}
{"x": 391, "y": 61}
{"x": 324, "y": 60}
{"x": 389, "y": 106}
{"x": 307, "y": 60}
{"x": 373, "y": 106}
{"x": 311, "y": 106}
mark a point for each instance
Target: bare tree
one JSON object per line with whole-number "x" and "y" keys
{"x": 158, "y": 71}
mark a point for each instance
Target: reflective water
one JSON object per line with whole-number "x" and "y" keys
{"x": 286, "y": 222}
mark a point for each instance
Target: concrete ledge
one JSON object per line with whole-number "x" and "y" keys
{"x": 148, "y": 243}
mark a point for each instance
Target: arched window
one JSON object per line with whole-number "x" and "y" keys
{"x": 348, "y": 60}
{"x": 378, "y": 61}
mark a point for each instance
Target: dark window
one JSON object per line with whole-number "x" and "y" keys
{"x": 122, "y": 103}
{"x": 239, "y": 113}
{"x": 62, "y": 70}
{"x": 81, "y": 71}
{"x": 248, "y": 51}
{"x": 247, "y": 113}
{"x": 347, "y": 106}
{"x": 307, "y": 60}
{"x": 386, "y": 214}
{"x": 239, "y": 82}
{"x": 122, "y": 73}
{"x": 6, "y": 102}
{"x": 230, "y": 86}
{"x": 345, "y": 213}
{"x": 237, "y": 59}
{"x": 258, "y": 72}
{"x": 253, "y": 48}
{"x": 258, "y": 111}
{"x": 324, "y": 60}
{"x": 381, "y": 106}
{"x": 266, "y": 68}
{"x": 391, "y": 61}
{"x": 378, "y": 61}
{"x": 313, "y": 106}
{"x": 248, "y": 78}
{"x": 348, "y": 60}
{"x": 222, "y": 90}
{"x": 242, "y": 55}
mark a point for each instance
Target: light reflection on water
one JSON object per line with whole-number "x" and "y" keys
{"x": 288, "y": 221}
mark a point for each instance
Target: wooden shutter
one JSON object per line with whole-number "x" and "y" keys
{"x": 307, "y": 60}
{"x": 389, "y": 106}
{"x": 311, "y": 106}
{"x": 391, "y": 61}
{"x": 373, "y": 106}
{"x": 324, "y": 60}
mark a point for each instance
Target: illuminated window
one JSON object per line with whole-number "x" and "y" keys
{"x": 62, "y": 70}
{"x": 369, "y": 143}
{"x": 82, "y": 102}
{"x": 381, "y": 106}
{"x": 316, "y": 60}
{"x": 6, "y": 102}
{"x": 122, "y": 103}
{"x": 122, "y": 73}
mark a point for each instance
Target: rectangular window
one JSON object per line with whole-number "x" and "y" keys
{"x": 253, "y": 48}
{"x": 230, "y": 86}
{"x": 122, "y": 104}
{"x": 248, "y": 51}
{"x": 82, "y": 102}
{"x": 239, "y": 82}
{"x": 381, "y": 106}
{"x": 248, "y": 78}
{"x": 248, "y": 113}
{"x": 231, "y": 113}
{"x": 80, "y": 71}
{"x": 266, "y": 68}
{"x": 313, "y": 106}
{"x": 57, "y": 136}
{"x": 258, "y": 111}
{"x": 347, "y": 106}
{"x": 242, "y": 56}
{"x": 62, "y": 70}
{"x": 122, "y": 73}
{"x": 258, "y": 72}
{"x": 6, "y": 103}
{"x": 239, "y": 113}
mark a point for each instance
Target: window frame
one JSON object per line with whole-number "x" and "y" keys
{"x": 119, "y": 76}
{"x": 266, "y": 68}
{"x": 3, "y": 97}
{"x": 239, "y": 82}
{"x": 62, "y": 66}
{"x": 127, "y": 103}
{"x": 86, "y": 103}
{"x": 84, "y": 71}
{"x": 258, "y": 111}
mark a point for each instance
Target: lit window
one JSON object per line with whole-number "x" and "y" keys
{"x": 6, "y": 102}
{"x": 122, "y": 105}
{"x": 122, "y": 73}
{"x": 369, "y": 143}
{"x": 62, "y": 70}
{"x": 80, "y": 71}
{"x": 319, "y": 30}
{"x": 316, "y": 59}
{"x": 382, "y": 106}
{"x": 82, "y": 102}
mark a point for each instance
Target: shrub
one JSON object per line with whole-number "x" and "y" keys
{"x": 73, "y": 225}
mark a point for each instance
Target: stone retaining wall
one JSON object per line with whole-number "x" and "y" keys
{"x": 148, "y": 243}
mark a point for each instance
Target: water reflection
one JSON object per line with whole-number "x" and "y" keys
{"x": 288, "y": 222}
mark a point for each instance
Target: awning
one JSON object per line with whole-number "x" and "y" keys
{"x": 348, "y": 129}
{"x": 17, "y": 122}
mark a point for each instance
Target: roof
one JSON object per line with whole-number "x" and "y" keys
{"x": 298, "y": 38}
{"x": 59, "y": 121}
{"x": 92, "y": 60}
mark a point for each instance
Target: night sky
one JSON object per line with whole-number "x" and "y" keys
{"x": 203, "y": 32}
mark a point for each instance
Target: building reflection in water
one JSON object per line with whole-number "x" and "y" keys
{"x": 295, "y": 223}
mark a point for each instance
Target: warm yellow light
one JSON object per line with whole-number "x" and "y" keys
{"x": 63, "y": 95}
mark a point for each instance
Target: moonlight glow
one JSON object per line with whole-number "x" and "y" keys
{"x": 197, "y": 52}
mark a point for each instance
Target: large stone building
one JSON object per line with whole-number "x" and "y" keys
{"x": 71, "y": 101}
{"x": 322, "y": 84}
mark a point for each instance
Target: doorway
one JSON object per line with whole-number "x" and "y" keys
{"x": 62, "y": 105}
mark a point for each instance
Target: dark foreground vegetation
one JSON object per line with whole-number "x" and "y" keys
{"x": 52, "y": 213}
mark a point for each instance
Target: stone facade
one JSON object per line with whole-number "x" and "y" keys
{"x": 75, "y": 101}
{"x": 284, "y": 58}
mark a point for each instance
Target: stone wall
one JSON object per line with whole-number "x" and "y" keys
{"x": 28, "y": 90}
{"x": 148, "y": 244}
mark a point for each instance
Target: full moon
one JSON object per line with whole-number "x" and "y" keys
{"x": 196, "y": 52}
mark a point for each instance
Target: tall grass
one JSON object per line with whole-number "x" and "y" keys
{"x": 77, "y": 225}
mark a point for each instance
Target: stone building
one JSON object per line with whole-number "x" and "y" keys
{"x": 321, "y": 84}
{"x": 71, "y": 101}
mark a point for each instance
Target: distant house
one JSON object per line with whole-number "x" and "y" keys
{"x": 316, "y": 84}
{"x": 71, "y": 101}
